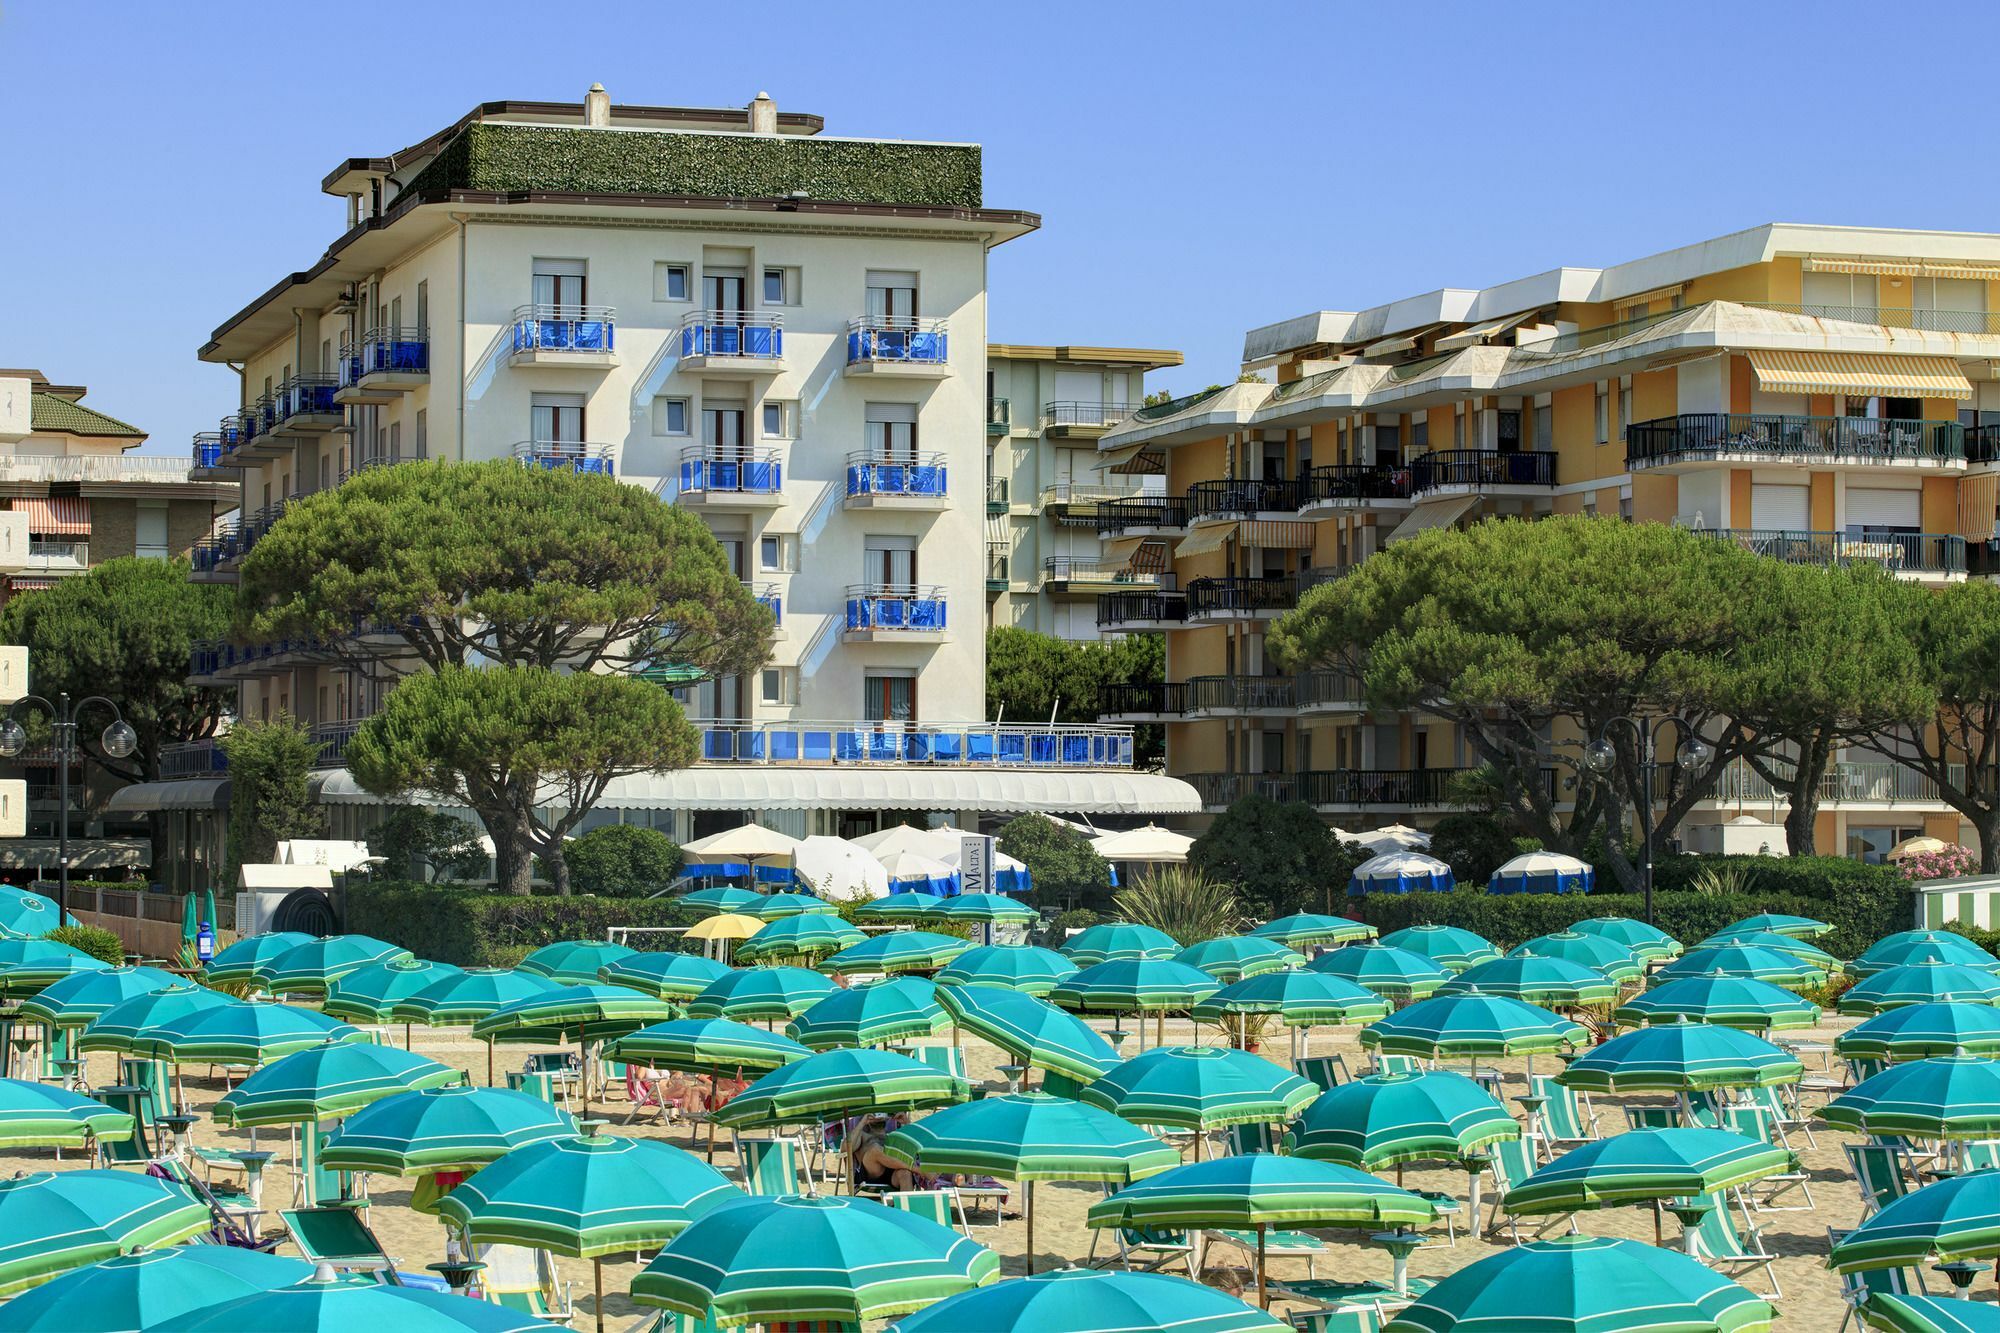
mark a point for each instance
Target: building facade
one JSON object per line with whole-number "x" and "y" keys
{"x": 782, "y": 330}
{"x": 1816, "y": 394}
{"x": 1046, "y": 408}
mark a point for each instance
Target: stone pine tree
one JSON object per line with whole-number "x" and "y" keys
{"x": 270, "y": 764}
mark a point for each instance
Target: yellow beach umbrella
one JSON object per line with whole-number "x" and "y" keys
{"x": 1916, "y": 847}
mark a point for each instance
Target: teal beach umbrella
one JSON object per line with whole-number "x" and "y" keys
{"x": 1033, "y": 1031}
{"x": 237, "y": 965}
{"x": 463, "y": 999}
{"x": 1681, "y": 1057}
{"x": 666, "y": 976}
{"x": 1472, "y": 1025}
{"x": 893, "y": 1010}
{"x": 808, "y": 935}
{"x": 82, "y": 997}
{"x": 1200, "y": 1088}
{"x": 1447, "y": 946}
{"x": 121, "y": 1028}
{"x": 1648, "y": 943}
{"x": 1024, "y": 968}
{"x": 370, "y": 994}
{"x": 1091, "y": 1300}
{"x": 1388, "y": 1119}
{"x": 1917, "y": 1031}
{"x": 1777, "y": 943}
{"x": 1944, "y": 1097}
{"x": 890, "y": 953}
{"x": 1135, "y": 986}
{"x": 1297, "y": 998}
{"x": 1920, "y": 946}
{"x": 329, "y": 1080}
{"x": 714, "y": 902}
{"x": 983, "y": 909}
{"x": 1743, "y": 960}
{"x": 1230, "y": 958}
{"x": 830, "y": 1084}
{"x": 27, "y": 915}
{"x": 39, "y": 1115}
{"x": 1596, "y": 952}
{"x": 1736, "y": 1002}
{"x": 1920, "y": 983}
{"x": 311, "y": 967}
{"x": 1118, "y": 941}
{"x": 1535, "y": 979}
{"x": 145, "y": 1289}
{"x": 1304, "y": 929}
{"x": 241, "y": 1034}
{"x": 574, "y": 962}
{"x": 763, "y": 994}
{"x": 774, "y": 906}
{"x": 707, "y": 1046}
{"x": 442, "y": 1129}
{"x": 902, "y": 905}
{"x": 26, "y": 966}
{"x": 1798, "y": 927}
{"x": 1642, "y": 1165}
{"x": 1392, "y": 973}
{"x": 51, "y": 1222}
{"x": 1953, "y": 1219}
{"x": 329, "y": 1302}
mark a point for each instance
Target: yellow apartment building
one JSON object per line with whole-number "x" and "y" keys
{"x": 1817, "y": 394}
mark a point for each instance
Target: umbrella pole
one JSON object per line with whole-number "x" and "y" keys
{"x": 406, "y": 1038}
{"x": 1028, "y": 1208}
{"x": 597, "y": 1280}
{"x": 583, "y": 1070}
{"x": 1263, "y": 1292}
{"x": 1657, "y": 1238}
{"x": 489, "y": 1062}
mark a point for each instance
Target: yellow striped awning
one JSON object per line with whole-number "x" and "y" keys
{"x": 1273, "y": 534}
{"x": 1202, "y": 541}
{"x": 1121, "y": 550}
{"x": 1906, "y": 268}
{"x": 1860, "y": 374}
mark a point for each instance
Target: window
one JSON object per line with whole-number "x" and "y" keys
{"x": 560, "y": 282}
{"x": 1624, "y": 408}
{"x": 423, "y": 433}
{"x": 890, "y": 561}
{"x": 890, "y": 431}
{"x": 1388, "y": 443}
{"x": 1545, "y": 427}
{"x": 781, "y": 286}
{"x": 771, "y": 687}
{"x": 780, "y": 419}
{"x": 325, "y": 471}
{"x": 149, "y": 540}
{"x": 892, "y": 296}
{"x": 395, "y": 442}
{"x": 670, "y": 416}
{"x": 770, "y": 554}
{"x": 1601, "y": 418}
{"x": 889, "y": 698}
{"x": 1458, "y": 415}
{"x": 1420, "y": 433}
{"x": 423, "y": 312}
{"x": 556, "y": 418}
{"x": 670, "y": 282}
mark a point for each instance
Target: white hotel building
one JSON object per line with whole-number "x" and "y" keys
{"x": 781, "y": 329}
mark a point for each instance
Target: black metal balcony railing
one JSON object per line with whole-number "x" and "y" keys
{"x": 1982, "y": 444}
{"x": 332, "y": 738}
{"x": 1326, "y": 688}
{"x": 1221, "y": 789}
{"x": 1709, "y": 434}
{"x": 1318, "y": 574}
{"x": 1353, "y": 483}
{"x": 1241, "y": 595}
{"x": 1898, "y": 552}
{"x": 1378, "y": 786}
{"x": 1241, "y": 694}
{"x": 1158, "y": 698}
{"x": 1084, "y": 414}
{"x": 1478, "y": 469}
{"x": 997, "y": 574}
{"x": 1241, "y": 499}
{"x": 1117, "y": 608}
{"x": 1115, "y": 517}
{"x": 192, "y": 759}
{"x": 996, "y": 494}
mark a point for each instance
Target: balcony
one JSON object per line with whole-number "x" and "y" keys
{"x": 1917, "y": 554}
{"x": 1150, "y": 516}
{"x": 215, "y": 556}
{"x": 1330, "y": 692}
{"x": 1079, "y": 502}
{"x": 770, "y": 598}
{"x": 1241, "y": 696}
{"x": 304, "y": 405}
{"x": 56, "y": 555}
{"x": 1483, "y": 471}
{"x": 1141, "y": 612}
{"x": 1146, "y": 701}
{"x": 205, "y": 459}
{"x": 1333, "y": 487}
{"x": 731, "y": 478}
{"x": 254, "y": 432}
{"x": 999, "y": 416}
{"x": 1219, "y": 791}
{"x": 998, "y": 577}
{"x": 332, "y": 739}
{"x": 192, "y": 759}
{"x": 1378, "y": 788}
{"x": 1862, "y": 783}
{"x": 1081, "y": 420}
{"x": 876, "y": 480}
{"x": 1974, "y": 322}
{"x": 915, "y": 744}
{"x": 1088, "y": 574}
{"x": 1230, "y": 501}
{"x": 219, "y": 662}
{"x": 996, "y": 495}
{"x": 1318, "y": 574}
{"x": 383, "y": 364}
{"x": 898, "y": 345}
{"x": 1699, "y": 438}
{"x": 568, "y": 456}
{"x": 577, "y": 336}
{"x": 732, "y": 342}
{"x": 895, "y": 613}
{"x": 1240, "y": 598}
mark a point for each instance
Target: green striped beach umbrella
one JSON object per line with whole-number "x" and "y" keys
{"x": 1798, "y": 927}
{"x": 1944, "y": 1097}
{"x": 714, "y": 902}
{"x": 1020, "y": 967}
{"x": 241, "y": 1034}
{"x": 1472, "y": 1025}
{"x": 984, "y": 909}
{"x": 872, "y": 1015}
{"x": 237, "y": 965}
{"x": 1777, "y": 943}
{"x": 1233, "y": 957}
{"x": 1596, "y": 952}
{"x": 147, "y": 1289}
{"x": 809, "y": 935}
{"x": 51, "y": 1222}
{"x": 1585, "y": 1284}
{"x": 579, "y": 1013}
{"x": 1388, "y": 1119}
{"x": 330, "y": 1302}
{"x": 1114, "y": 941}
{"x": 1735, "y": 1002}
{"x": 1920, "y": 983}
{"x": 1920, "y": 946}
{"x": 1536, "y": 979}
{"x": 27, "y": 915}
{"x": 1896, "y": 1313}
{"x": 666, "y": 976}
{"x": 1953, "y": 1219}
{"x": 39, "y": 1115}
{"x": 1091, "y": 1300}
{"x": 1743, "y": 960}
{"x": 310, "y": 968}
{"x": 1200, "y": 1088}
{"x": 1030, "y": 1137}
{"x": 26, "y": 966}
{"x": 456, "y": 1001}
{"x": 891, "y": 952}
{"x": 1033, "y": 1031}
{"x": 774, "y": 906}
{"x": 1647, "y": 943}
{"x": 81, "y": 998}
{"x": 1297, "y": 998}
{"x": 1257, "y": 1191}
{"x": 1392, "y": 973}
{"x": 707, "y": 1046}
{"x": 1302, "y": 929}
{"x": 329, "y": 1080}
{"x": 761, "y": 994}
{"x": 1135, "y": 986}
{"x": 902, "y": 905}
{"x": 574, "y": 962}
{"x": 1917, "y": 1031}
{"x": 1681, "y": 1057}
{"x": 120, "y": 1028}
{"x": 442, "y": 1129}
{"x": 370, "y": 994}
{"x": 831, "y": 1084}
{"x": 1447, "y": 946}
{"x": 1641, "y": 1165}
{"x": 787, "y": 1259}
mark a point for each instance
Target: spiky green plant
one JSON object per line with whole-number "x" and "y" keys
{"x": 1182, "y": 902}
{"x": 1715, "y": 879}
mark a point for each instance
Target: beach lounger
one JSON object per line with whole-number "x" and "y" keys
{"x": 1148, "y": 1249}
{"x": 1324, "y": 1072}
{"x": 1060, "y": 1085}
{"x": 1729, "y": 1249}
{"x": 1782, "y": 1103}
{"x": 1241, "y": 1139}
{"x": 1277, "y": 1245}
{"x": 136, "y": 1102}
{"x": 340, "y": 1238}
{"x": 1567, "y": 1117}
{"x": 1979, "y": 1155}
{"x": 1881, "y": 1171}
{"x": 234, "y": 1214}
{"x": 524, "y": 1280}
{"x": 772, "y": 1166}
{"x": 945, "y": 1059}
{"x": 1754, "y": 1121}
{"x": 1652, "y": 1117}
{"x": 939, "y": 1206}
{"x": 1857, "y": 1288}
{"x": 1398, "y": 1064}
{"x": 1513, "y": 1163}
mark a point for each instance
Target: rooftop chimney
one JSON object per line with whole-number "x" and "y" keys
{"x": 597, "y": 108}
{"x": 763, "y": 115}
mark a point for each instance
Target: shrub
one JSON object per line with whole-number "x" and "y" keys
{"x": 1718, "y": 878}
{"x": 1473, "y": 845}
{"x": 1076, "y": 918}
{"x": 473, "y": 928}
{"x": 1065, "y": 869}
{"x": 1863, "y": 902}
{"x": 1949, "y": 863}
{"x": 1279, "y": 856}
{"x": 1988, "y": 940}
{"x": 622, "y": 861}
{"x": 425, "y": 844}
{"x": 1182, "y": 902}
{"x": 96, "y": 941}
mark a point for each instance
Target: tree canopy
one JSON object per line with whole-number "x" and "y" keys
{"x": 1030, "y": 676}
{"x": 428, "y": 845}
{"x": 1279, "y": 855}
{"x": 1065, "y": 868}
{"x": 269, "y": 765}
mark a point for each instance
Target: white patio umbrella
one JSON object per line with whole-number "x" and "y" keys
{"x": 905, "y": 869}
{"x": 751, "y": 842}
{"x": 1151, "y": 844}
{"x": 903, "y": 838}
{"x": 1395, "y": 838}
{"x": 839, "y": 870}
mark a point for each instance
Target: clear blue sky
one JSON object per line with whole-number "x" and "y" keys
{"x": 1200, "y": 169}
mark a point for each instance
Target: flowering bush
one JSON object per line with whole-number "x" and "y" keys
{"x": 1946, "y": 864}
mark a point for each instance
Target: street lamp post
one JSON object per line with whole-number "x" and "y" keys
{"x": 118, "y": 740}
{"x": 1690, "y": 752}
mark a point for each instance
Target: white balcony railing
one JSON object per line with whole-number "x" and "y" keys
{"x": 96, "y": 469}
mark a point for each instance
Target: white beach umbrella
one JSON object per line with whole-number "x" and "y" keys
{"x": 914, "y": 870}
{"x": 903, "y": 838}
{"x": 751, "y": 842}
{"x": 1151, "y": 843}
{"x": 837, "y": 869}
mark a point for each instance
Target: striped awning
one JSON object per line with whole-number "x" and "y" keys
{"x": 28, "y": 583}
{"x": 1203, "y": 541}
{"x": 1906, "y": 268}
{"x": 1859, "y": 373}
{"x": 1132, "y": 460}
{"x": 55, "y": 515}
{"x": 1277, "y": 535}
{"x": 1150, "y": 558}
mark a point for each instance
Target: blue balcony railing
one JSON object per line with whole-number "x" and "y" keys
{"x": 388, "y": 350}
{"x": 767, "y": 595}
{"x": 564, "y": 328}
{"x": 897, "y": 338}
{"x": 732, "y": 333}
{"x": 738, "y": 472}
{"x": 235, "y": 429}
{"x": 938, "y": 745}
{"x": 871, "y": 472}
{"x": 567, "y": 455}
{"x": 914, "y": 608}
{"x": 208, "y": 449}
{"x": 307, "y": 395}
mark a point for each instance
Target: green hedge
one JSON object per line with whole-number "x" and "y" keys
{"x": 558, "y": 159}
{"x": 473, "y": 928}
